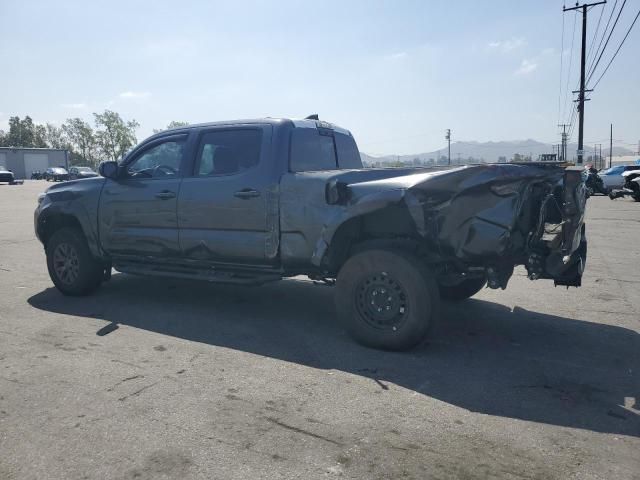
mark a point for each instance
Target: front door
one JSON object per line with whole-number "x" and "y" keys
{"x": 138, "y": 210}
{"x": 227, "y": 212}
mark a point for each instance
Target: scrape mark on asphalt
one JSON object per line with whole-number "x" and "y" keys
{"x": 137, "y": 392}
{"x": 301, "y": 431}
{"x": 115, "y": 360}
{"x": 110, "y": 389}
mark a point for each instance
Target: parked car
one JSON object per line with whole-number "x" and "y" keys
{"x": 612, "y": 177}
{"x": 56, "y": 174}
{"x": 6, "y": 176}
{"x": 253, "y": 201}
{"x": 81, "y": 172}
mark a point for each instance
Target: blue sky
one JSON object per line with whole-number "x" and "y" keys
{"x": 396, "y": 73}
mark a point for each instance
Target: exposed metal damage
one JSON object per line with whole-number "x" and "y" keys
{"x": 488, "y": 216}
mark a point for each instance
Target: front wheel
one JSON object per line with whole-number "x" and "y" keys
{"x": 71, "y": 266}
{"x": 386, "y": 299}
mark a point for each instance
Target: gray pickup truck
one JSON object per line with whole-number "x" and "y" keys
{"x": 254, "y": 201}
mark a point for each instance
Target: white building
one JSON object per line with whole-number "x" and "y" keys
{"x": 24, "y": 161}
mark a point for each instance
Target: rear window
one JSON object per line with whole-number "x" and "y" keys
{"x": 348, "y": 154}
{"x": 312, "y": 149}
{"x": 225, "y": 152}
{"x": 315, "y": 149}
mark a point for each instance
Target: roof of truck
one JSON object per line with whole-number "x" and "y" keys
{"x": 297, "y": 123}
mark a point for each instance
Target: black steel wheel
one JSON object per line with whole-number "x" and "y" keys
{"x": 381, "y": 301}
{"x": 387, "y": 299}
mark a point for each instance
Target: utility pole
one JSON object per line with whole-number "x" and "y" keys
{"x": 563, "y": 154}
{"x": 611, "y": 146}
{"x": 582, "y": 91}
{"x": 448, "y": 138}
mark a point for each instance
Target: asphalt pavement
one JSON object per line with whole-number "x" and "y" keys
{"x": 161, "y": 378}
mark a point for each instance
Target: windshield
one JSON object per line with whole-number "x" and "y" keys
{"x": 84, "y": 169}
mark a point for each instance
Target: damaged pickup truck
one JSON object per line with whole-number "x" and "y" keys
{"x": 253, "y": 201}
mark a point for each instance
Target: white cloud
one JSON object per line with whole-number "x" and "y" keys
{"x": 398, "y": 55}
{"x": 526, "y": 67}
{"x": 75, "y": 106}
{"x": 137, "y": 95}
{"x": 509, "y": 45}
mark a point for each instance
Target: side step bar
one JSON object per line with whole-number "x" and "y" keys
{"x": 209, "y": 275}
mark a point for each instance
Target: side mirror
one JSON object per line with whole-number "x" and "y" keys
{"x": 109, "y": 169}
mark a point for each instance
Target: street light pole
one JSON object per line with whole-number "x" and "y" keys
{"x": 448, "y": 138}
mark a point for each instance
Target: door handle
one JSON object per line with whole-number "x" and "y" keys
{"x": 165, "y": 195}
{"x": 246, "y": 193}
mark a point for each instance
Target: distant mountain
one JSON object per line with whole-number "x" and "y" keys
{"x": 488, "y": 152}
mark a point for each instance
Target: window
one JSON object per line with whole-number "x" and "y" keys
{"x": 312, "y": 149}
{"x": 225, "y": 152}
{"x": 160, "y": 161}
{"x": 348, "y": 154}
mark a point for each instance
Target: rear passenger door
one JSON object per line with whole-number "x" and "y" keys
{"x": 226, "y": 210}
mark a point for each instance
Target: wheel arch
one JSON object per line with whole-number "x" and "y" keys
{"x": 390, "y": 227}
{"x": 50, "y": 221}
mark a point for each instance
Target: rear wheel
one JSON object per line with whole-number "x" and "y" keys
{"x": 386, "y": 299}
{"x": 71, "y": 266}
{"x": 466, "y": 289}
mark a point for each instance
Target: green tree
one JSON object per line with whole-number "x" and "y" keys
{"x": 21, "y": 132}
{"x": 82, "y": 141}
{"x": 39, "y": 136}
{"x": 55, "y": 137}
{"x": 114, "y": 136}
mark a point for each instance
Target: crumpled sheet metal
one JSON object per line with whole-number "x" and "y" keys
{"x": 468, "y": 212}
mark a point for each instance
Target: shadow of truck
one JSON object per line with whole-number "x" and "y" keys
{"x": 484, "y": 357}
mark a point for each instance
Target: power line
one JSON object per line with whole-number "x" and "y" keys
{"x": 607, "y": 42}
{"x": 583, "y": 90}
{"x": 595, "y": 34}
{"x": 619, "y": 47}
{"x": 604, "y": 34}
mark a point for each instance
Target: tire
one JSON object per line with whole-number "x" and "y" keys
{"x": 82, "y": 273}
{"x": 467, "y": 289}
{"x": 405, "y": 295}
